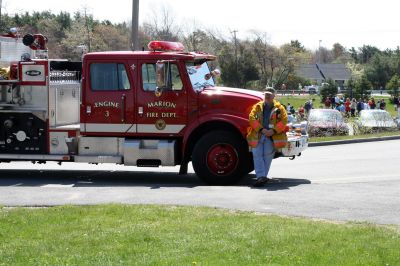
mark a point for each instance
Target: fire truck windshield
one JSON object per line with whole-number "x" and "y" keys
{"x": 200, "y": 75}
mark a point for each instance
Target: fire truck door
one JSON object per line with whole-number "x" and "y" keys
{"x": 161, "y": 111}
{"x": 108, "y": 99}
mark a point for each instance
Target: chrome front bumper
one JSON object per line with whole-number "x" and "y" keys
{"x": 296, "y": 145}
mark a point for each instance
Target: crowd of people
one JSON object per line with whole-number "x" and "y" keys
{"x": 302, "y": 111}
{"x": 346, "y": 106}
{"x": 353, "y": 107}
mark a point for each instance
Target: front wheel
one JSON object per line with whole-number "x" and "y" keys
{"x": 221, "y": 158}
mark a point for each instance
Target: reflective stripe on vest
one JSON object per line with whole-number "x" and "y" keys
{"x": 280, "y": 126}
{"x": 255, "y": 124}
{"x": 280, "y": 143}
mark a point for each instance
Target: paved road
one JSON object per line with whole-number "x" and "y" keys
{"x": 352, "y": 182}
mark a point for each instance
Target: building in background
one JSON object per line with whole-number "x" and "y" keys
{"x": 319, "y": 73}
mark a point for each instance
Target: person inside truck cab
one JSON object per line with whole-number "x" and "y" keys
{"x": 160, "y": 75}
{"x": 174, "y": 78}
{"x": 212, "y": 73}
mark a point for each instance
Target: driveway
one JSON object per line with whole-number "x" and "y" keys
{"x": 352, "y": 182}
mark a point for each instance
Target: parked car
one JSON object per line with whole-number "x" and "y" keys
{"x": 371, "y": 121}
{"x": 326, "y": 122}
{"x": 397, "y": 120}
{"x": 313, "y": 89}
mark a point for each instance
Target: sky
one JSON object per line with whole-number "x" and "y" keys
{"x": 312, "y": 22}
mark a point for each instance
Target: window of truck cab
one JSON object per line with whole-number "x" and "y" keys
{"x": 149, "y": 77}
{"x": 109, "y": 77}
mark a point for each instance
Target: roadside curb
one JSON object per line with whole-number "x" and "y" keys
{"x": 349, "y": 141}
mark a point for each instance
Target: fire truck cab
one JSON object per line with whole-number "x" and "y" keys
{"x": 144, "y": 108}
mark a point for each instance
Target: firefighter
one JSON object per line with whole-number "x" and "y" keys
{"x": 266, "y": 134}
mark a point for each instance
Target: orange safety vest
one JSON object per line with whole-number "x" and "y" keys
{"x": 277, "y": 122}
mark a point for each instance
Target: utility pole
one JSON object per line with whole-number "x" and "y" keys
{"x": 236, "y": 56}
{"x": 1, "y": 6}
{"x": 319, "y": 51}
{"x": 135, "y": 25}
{"x": 88, "y": 30}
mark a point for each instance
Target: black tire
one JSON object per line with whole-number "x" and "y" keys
{"x": 221, "y": 158}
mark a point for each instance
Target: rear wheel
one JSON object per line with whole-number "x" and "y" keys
{"x": 221, "y": 158}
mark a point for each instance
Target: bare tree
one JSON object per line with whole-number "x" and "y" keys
{"x": 193, "y": 36}
{"x": 88, "y": 30}
{"x": 323, "y": 56}
{"x": 286, "y": 67}
{"x": 267, "y": 56}
{"x": 338, "y": 50}
{"x": 162, "y": 25}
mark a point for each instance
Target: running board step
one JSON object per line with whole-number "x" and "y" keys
{"x": 98, "y": 159}
{"x": 148, "y": 163}
{"x": 34, "y": 157}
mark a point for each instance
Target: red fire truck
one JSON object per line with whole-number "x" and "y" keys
{"x": 144, "y": 108}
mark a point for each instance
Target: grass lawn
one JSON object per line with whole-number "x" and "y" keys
{"x": 375, "y": 135}
{"x": 297, "y": 100}
{"x": 166, "y": 235}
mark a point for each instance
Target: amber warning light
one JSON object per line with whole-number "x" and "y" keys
{"x": 165, "y": 46}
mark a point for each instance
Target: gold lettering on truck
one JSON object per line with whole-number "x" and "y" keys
{"x": 106, "y": 104}
{"x": 168, "y": 115}
{"x": 152, "y": 115}
{"x": 162, "y": 104}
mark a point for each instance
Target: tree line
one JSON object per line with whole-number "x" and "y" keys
{"x": 252, "y": 62}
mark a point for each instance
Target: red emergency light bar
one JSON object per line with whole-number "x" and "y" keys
{"x": 165, "y": 46}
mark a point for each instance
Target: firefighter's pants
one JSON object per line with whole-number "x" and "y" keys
{"x": 262, "y": 156}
